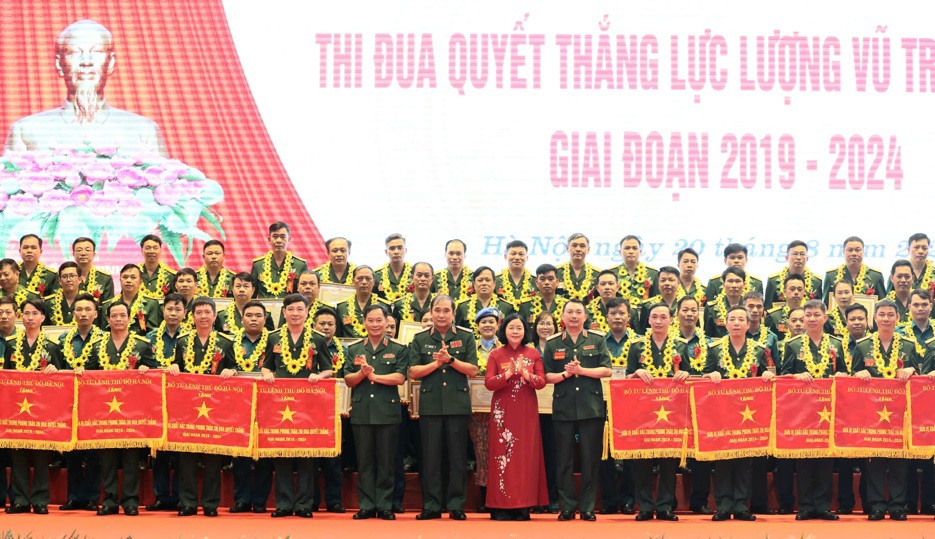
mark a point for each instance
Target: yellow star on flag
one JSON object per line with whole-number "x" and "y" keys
{"x": 115, "y": 406}
{"x": 885, "y": 415}
{"x": 25, "y": 406}
{"x": 287, "y": 414}
{"x": 747, "y": 415}
{"x": 824, "y": 415}
{"x": 203, "y": 410}
{"x": 662, "y": 414}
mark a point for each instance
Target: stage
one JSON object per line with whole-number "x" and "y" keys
{"x": 59, "y": 525}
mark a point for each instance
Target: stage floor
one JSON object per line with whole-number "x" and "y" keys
{"x": 59, "y": 525}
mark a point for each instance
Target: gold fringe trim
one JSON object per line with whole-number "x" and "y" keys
{"x": 37, "y": 444}
{"x": 730, "y": 454}
{"x": 605, "y": 441}
{"x": 683, "y": 458}
{"x": 802, "y": 453}
{"x": 338, "y": 425}
{"x": 648, "y": 454}
{"x": 74, "y": 410}
{"x": 118, "y": 443}
{"x": 298, "y": 453}
{"x": 609, "y": 449}
{"x": 254, "y": 428}
{"x": 209, "y": 448}
{"x": 772, "y": 423}
{"x": 165, "y": 418}
{"x": 691, "y": 402}
{"x": 863, "y": 453}
{"x": 834, "y": 405}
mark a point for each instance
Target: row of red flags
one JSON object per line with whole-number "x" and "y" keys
{"x": 189, "y": 412}
{"x": 839, "y": 417}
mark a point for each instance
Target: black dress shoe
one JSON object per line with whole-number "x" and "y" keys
{"x": 44, "y": 509}
{"x": 628, "y": 509}
{"x": 721, "y": 515}
{"x": 108, "y": 510}
{"x": 589, "y": 516}
{"x": 876, "y": 515}
{"x": 17, "y": 508}
{"x": 162, "y": 506}
{"x": 763, "y": 510}
{"x": 210, "y": 511}
{"x": 521, "y": 514}
{"x": 241, "y": 508}
{"x": 912, "y": 510}
{"x": 398, "y": 508}
{"x": 897, "y": 515}
{"x": 803, "y": 515}
{"x": 566, "y": 515}
{"x": 336, "y": 508}
{"x": 133, "y": 511}
{"x": 364, "y": 514}
{"x": 387, "y": 515}
{"x": 826, "y": 515}
{"x": 71, "y": 505}
{"x": 666, "y": 515}
{"x": 703, "y": 510}
{"x": 281, "y": 513}
{"x": 745, "y": 515}
{"x": 928, "y": 510}
{"x": 608, "y": 510}
{"x": 258, "y": 509}
{"x": 89, "y": 506}
{"x": 844, "y": 511}
{"x": 457, "y": 515}
{"x": 428, "y": 515}
{"x": 644, "y": 515}
{"x": 304, "y": 513}
{"x": 185, "y": 511}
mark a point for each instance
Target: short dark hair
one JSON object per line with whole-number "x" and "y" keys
{"x": 573, "y": 300}
{"x": 9, "y": 262}
{"x": 734, "y": 248}
{"x": 855, "y": 307}
{"x": 610, "y": 272}
{"x": 38, "y": 304}
{"x": 631, "y": 237}
{"x": 212, "y": 243}
{"x": 617, "y": 302}
{"x": 431, "y": 269}
{"x": 9, "y": 300}
{"x": 376, "y": 307}
{"x": 326, "y": 310}
{"x": 393, "y": 237}
{"x": 118, "y": 303}
{"x": 670, "y": 270}
{"x": 361, "y": 267}
{"x": 921, "y": 292}
{"x": 151, "y": 237}
{"x": 842, "y": 281}
{"x": 657, "y": 305}
{"x": 796, "y": 243}
{"x": 245, "y": 277}
{"x": 84, "y": 296}
{"x": 187, "y": 271}
{"x": 517, "y": 243}
{"x": 815, "y": 304}
{"x": 793, "y": 277}
{"x": 442, "y": 297}
{"x": 480, "y": 270}
{"x": 27, "y": 236}
{"x": 542, "y": 315}
{"x": 738, "y": 308}
{"x": 753, "y": 294}
{"x": 850, "y": 239}
{"x": 294, "y": 298}
{"x": 329, "y": 241}
{"x": 687, "y": 251}
{"x": 577, "y": 236}
{"x": 678, "y": 304}
{"x": 733, "y": 270}
{"x": 254, "y": 303}
{"x": 899, "y": 264}
{"x": 84, "y": 239}
{"x": 126, "y": 268}
{"x": 279, "y": 225}
{"x": 501, "y": 331}
{"x": 885, "y": 302}
{"x": 173, "y": 298}
{"x": 545, "y": 268}
{"x": 309, "y": 272}
{"x": 919, "y": 236}
{"x": 449, "y": 242}
{"x": 201, "y": 301}
{"x": 69, "y": 264}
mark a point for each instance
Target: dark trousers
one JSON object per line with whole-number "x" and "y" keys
{"x": 332, "y": 470}
{"x": 701, "y": 483}
{"x": 732, "y": 484}
{"x": 253, "y": 480}
{"x": 376, "y": 453}
{"x": 927, "y": 496}
{"x": 643, "y": 481}
{"x": 210, "y": 485}
{"x": 880, "y": 473}
{"x": 166, "y": 477}
{"x": 437, "y": 432}
{"x": 84, "y": 476}
{"x": 784, "y": 479}
{"x": 759, "y": 491}
{"x": 294, "y": 493}
{"x": 616, "y": 480}
{"x": 408, "y": 428}
{"x": 549, "y": 456}
{"x": 590, "y": 433}
{"x": 814, "y": 484}
{"x": 20, "y": 492}
{"x": 111, "y": 460}
{"x": 4, "y": 464}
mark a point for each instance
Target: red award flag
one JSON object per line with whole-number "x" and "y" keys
{"x": 802, "y": 418}
{"x": 922, "y": 431}
{"x": 209, "y": 415}
{"x": 298, "y": 419}
{"x": 38, "y": 410}
{"x": 731, "y": 419}
{"x": 121, "y": 409}
{"x": 869, "y": 418}
{"x": 648, "y": 421}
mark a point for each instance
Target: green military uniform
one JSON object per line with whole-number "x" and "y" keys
{"x": 350, "y": 321}
{"x": 281, "y": 280}
{"x": 375, "y": 419}
{"x": 140, "y": 324}
{"x": 159, "y": 283}
{"x": 42, "y": 281}
{"x": 886, "y": 472}
{"x": 902, "y": 309}
{"x": 162, "y": 345}
{"x": 214, "y": 288}
{"x": 784, "y": 475}
{"x": 716, "y": 284}
{"x": 296, "y": 496}
{"x": 407, "y": 308}
{"x": 20, "y": 296}
{"x": 20, "y": 492}
{"x": 775, "y": 287}
{"x": 467, "y": 310}
{"x": 58, "y": 306}
{"x": 597, "y": 316}
{"x": 715, "y": 324}
{"x": 836, "y": 324}
{"x": 532, "y": 307}
{"x": 444, "y": 410}
{"x": 230, "y": 319}
{"x": 84, "y": 465}
{"x": 388, "y": 286}
{"x": 637, "y": 291}
{"x": 327, "y": 275}
{"x": 577, "y": 405}
{"x": 165, "y": 482}
{"x": 695, "y": 361}
{"x": 512, "y": 291}
{"x": 642, "y": 324}
{"x": 871, "y": 284}
{"x": 99, "y": 284}
{"x": 105, "y": 355}
{"x": 447, "y": 285}
{"x": 777, "y": 320}
{"x": 733, "y": 477}
{"x": 696, "y": 352}
{"x": 188, "y": 462}
{"x": 312, "y": 309}
{"x": 578, "y": 286}
{"x": 768, "y": 339}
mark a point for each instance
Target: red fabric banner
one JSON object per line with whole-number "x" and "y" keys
{"x": 869, "y": 418}
{"x": 298, "y": 419}
{"x": 210, "y": 415}
{"x": 121, "y": 409}
{"x": 802, "y": 418}
{"x": 922, "y": 424}
{"x": 38, "y": 410}
{"x": 648, "y": 421}
{"x": 731, "y": 419}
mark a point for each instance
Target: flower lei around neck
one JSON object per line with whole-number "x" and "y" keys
{"x": 68, "y": 351}
{"x": 248, "y": 364}
{"x": 359, "y": 329}
{"x": 700, "y": 357}
{"x": 402, "y": 285}
{"x": 206, "y": 361}
{"x": 463, "y": 286}
{"x": 221, "y": 288}
{"x": 594, "y": 307}
{"x": 58, "y": 315}
{"x": 123, "y": 361}
{"x": 295, "y": 364}
{"x": 639, "y": 277}
{"x": 35, "y": 284}
{"x": 162, "y": 281}
{"x": 91, "y": 285}
{"x": 621, "y": 360}
{"x": 835, "y": 316}
{"x": 35, "y": 359}
{"x": 537, "y": 308}
{"x": 337, "y": 362}
{"x": 928, "y": 277}
{"x": 570, "y": 289}
{"x": 807, "y": 275}
{"x": 859, "y": 283}
{"x": 728, "y": 362}
{"x": 886, "y": 367}
{"x": 668, "y": 353}
{"x": 472, "y": 309}
{"x": 699, "y": 293}
{"x": 507, "y": 285}
{"x": 824, "y": 351}
{"x": 325, "y": 273}
{"x": 285, "y": 276}
{"x": 159, "y": 349}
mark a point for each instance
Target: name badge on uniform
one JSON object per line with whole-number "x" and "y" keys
{"x": 869, "y": 362}
{"x": 347, "y": 320}
{"x": 277, "y": 349}
{"x": 595, "y": 325}
{"x": 360, "y": 360}
{"x": 559, "y": 354}
{"x": 505, "y": 366}
{"x": 388, "y": 356}
{"x": 454, "y": 344}
{"x": 588, "y": 347}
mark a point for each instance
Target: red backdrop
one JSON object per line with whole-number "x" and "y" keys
{"x": 176, "y": 64}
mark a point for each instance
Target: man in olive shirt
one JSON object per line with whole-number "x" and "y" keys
{"x": 61, "y": 302}
{"x": 392, "y": 279}
{"x": 454, "y": 280}
{"x": 413, "y": 305}
{"x": 9, "y": 283}
{"x": 350, "y": 311}
{"x": 291, "y": 343}
{"x": 797, "y": 258}
{"x": 730, "y": 295}
{"x": 34, "y": 275}
{"x": 230, "y": 319}
{"x": 575, "y": 360}
{"x": 866, "y": 280}
{"x": 637, "y": 280}
{"x": 577, "y": 277}
{"x": 324, "y": 320}
{"x": 546, "y": 299}
{"x": 158, "y": 278}
{"x": 96, "y": 282}
{"x": 667, "y": 284}
{"x": 275, "y": 272}
{"x": 214, "y": 280}
{"x": 923, "y": 270}
{"x": 606, "y": 288}
{"x": 901, "y": 285}
{"x": 515, "y": 284}
{"x": 777, "y": 318}
{"x": 735, "y": 255}
{"x": 337, "y": 269}
{"x": 443, "y": 357}
{"x": 144, "y": 311}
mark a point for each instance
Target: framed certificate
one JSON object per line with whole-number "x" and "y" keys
{"x": 404, "y": 392}
{"x": 408, "y": 330}
{"x": 344, "y": 397}
{"x": 480, "y": 395}
{"x": 544, "y": 396}
{"x": 334, "y": 293}
{"x": 414, "y": 387}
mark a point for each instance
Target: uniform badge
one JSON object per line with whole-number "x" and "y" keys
{"x": 595, "y": 325}
{"x": 347, "y": 320}
{"x": 588, "y": 347}
{"x": 455, "y": 344}
{"x": 782, "y": 328}
{"x": 559, "y": 354}
{"x": 869, "y": 362}
{"x": 360, "y": 360}
{"x": 389, "y": 356}
{"x": 277, "y": 349}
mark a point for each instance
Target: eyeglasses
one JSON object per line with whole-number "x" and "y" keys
{"x": 67, "y": 277}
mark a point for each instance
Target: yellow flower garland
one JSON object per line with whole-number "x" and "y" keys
{"x": 507, "y": 286}
{"x": 36, "y": 279}
{"x": 668, "y": 353}
{"x": 483, "y": 354}
{"x": 324, "y": 273}
{"x": 34, "y": 358}
{"x": 91, "y": 286}
{"x": 337, "y": 362}
{"x": 928, "y": 276}
{"x": 441, "y": 282}
{"x": 824, "y": 350}
{"x": 124, "y": 358}
{"x": 136, "y": 306}
{"x": 537, "y": 308}
{"x": 19, "y": 297}
{"x": 783, "y": 273}
{"x": 698, "y": 362}
{"x": 887, "y": 368}
{"x": 58, "y": 316}
{"x": 266, "y": 276}
{"x": 68, "y": 351}
{"x": 840, "y": 328}
{"x": 472, "y": 309}
{"x": 728, "y": 362}
{"x": 359, "y": 329}
{"x": 162, "y": 281}
{"x": 294, "y": 365}
{"x": 845, "y": 347}
{"x": 159, "y": 349}
{"x": 204, "y": 287}
{"x": 621, "y": 360}
{"x": 402, "y": 286}
{"x": 189, "y": 355}
{"x": 594, "y": 307}
{"x": 248, "y": 364}
{"x": 859, "y": 284}
{"x": 699, "y": 293}
{"x": 577, "y": 293}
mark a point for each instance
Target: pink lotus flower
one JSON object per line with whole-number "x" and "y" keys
{"x": 81, "y": 194}
{"x": 54, "y": 201}
{"x": 36, "y": 183}
{"x": 103, "y": 204}
{"x": 130, "y": 207}
{"x": 131, "y": 178}
{"x": 106, "y": 151}
{"x": 97, "y": 171}
{"x": 22, "y": 204}
{"x": 157, "y": 176}
{"x": 167, "y": 194}
{"x": 65, "y": 172}
{"x": 122, "y": 161}
{"x": 121, "y": 192}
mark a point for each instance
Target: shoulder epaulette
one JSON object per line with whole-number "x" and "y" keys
{"x": 259, "y": 258}
{"x": 526, "y": 300}
{"x": 835, "y": 337}
{"x": 869, "y": 269}
{"x": 50, "y": 297}
{"x": 774, "y": 309}
{"x": 397, "y": 341}
{"x": 681, "y": 339}
{"x": 715, "y": 342}
{"x": 596, "y": 332}
{"x": 653, "y": 300}
{"x": 777, "y": 274}
{"x": 650, "y": 268}
{"x": 559, "y": 334}
{"x": 323, "y": 336}
{"x": 52, "y": 338}
{"x": 386, "y": 301}
{"x": 752, "y": 278}
{"x": 170, "y": 270}
{"x": 300, "y": 259}
{"x": 930, "y": 341}
{"x": 863, "y": 339}
{"x": 140, "y": 337}
{"x": 226, "y": 336}
{"x": 352, "y": 343}
{"x": 383, "y": 267}
{"x": 184, "y": 334}
{"x": 460, "y": 301}
{"x": 714, "y": 277}
{"x": 95, "y": 339}
{"x": 758, "y": 344}
{"x": 462, "y": 328}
